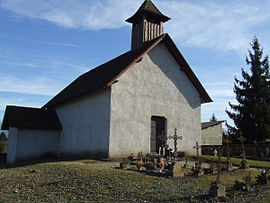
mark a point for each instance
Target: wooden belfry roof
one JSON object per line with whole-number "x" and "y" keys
{"x": 106, "y": 74}
{"x": 33, "y": 118}
{"x": 148, "y": 9}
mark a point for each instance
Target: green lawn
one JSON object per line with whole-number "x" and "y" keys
{"x": 236, "y": 162}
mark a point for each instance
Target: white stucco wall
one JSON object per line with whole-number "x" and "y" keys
{"x": 155, "y": 86}
{"x": 30, "y": 144}
{"x": 86, "y": 123}
{"x": 12, "y": 145}
{"x": 212, "y": 135}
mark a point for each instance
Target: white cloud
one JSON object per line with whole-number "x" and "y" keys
{"x": 35, "y": 86}
{"x": 224, "y": 25}
{"x": 52, "y": 43}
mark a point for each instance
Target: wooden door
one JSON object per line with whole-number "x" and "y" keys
{"x": 158, "y": 127}
{"x": 153, "y": 137}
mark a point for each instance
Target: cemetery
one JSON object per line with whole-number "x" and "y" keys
{"x": 130, "y": 130}
{"x": 171, "y": 177}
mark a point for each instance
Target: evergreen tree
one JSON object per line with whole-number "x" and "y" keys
{"x": 213, "y": 118}
{"x": 252, "y": 113}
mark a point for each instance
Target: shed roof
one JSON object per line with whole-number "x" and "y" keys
{"x": 210, "y": 124}
{"x": 106, "y": 74}
{"x": 32, "y": 118}
{"x": 147, "y": 9}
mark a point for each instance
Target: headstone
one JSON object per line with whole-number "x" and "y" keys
{"x": 213, "y": 169}
{"x": 244, "y": 164}
{"x": 215, "y": 152}
{"x": 124, "y": 165}
{"x": 217, "y": 190}
{"x": 177, "y": 170}
{"x": 162, "y": 162}
{"x": 186, "y": 161}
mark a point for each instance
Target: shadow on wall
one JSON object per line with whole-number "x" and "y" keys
{"x": 171, "y": 69}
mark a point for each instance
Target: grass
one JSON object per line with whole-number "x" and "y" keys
{"x": 95, "y": 181}
{"x": 236, "y": 161}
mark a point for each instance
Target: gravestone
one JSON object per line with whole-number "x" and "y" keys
{"x": 177, "y": 170}
{"x": 217, "y": 189}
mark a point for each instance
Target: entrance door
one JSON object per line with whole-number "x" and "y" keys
{"x": 158, "y": 131}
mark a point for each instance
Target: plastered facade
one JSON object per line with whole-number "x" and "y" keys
{"x": 155, "y": 86}
{"x": 26, "y": 144}
{"x": 86, "y": 123}
{"x": 212, "y": 135}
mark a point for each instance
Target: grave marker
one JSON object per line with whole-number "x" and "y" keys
{"x": 175, "y": 138}
{"x": 197, "y": 147}
{"x": 229, "y": 164}
{"x": 244, "y": 162}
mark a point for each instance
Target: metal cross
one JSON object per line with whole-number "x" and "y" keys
{"x": 242, "y": 139}
{"x": 175, "y": 138}
{"x": 197, "y": 147}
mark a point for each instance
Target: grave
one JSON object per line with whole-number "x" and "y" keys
{"x": 175, "y": 137}
{"x": 217, "y": 189}
{"x": 263, "y": 178}
{"x": 244, "y": 162}
{"x": 197, "y": 168}
{"x": 229, "y": 166}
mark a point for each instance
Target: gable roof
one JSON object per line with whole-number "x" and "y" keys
{"x": 147, "y": 9}
{"x": 106, "y": 74}
{"x": 33, "y": 118}
{"x": 210, "y": 124}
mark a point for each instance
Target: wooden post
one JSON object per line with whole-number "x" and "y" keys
{"x": 242, "y": 139}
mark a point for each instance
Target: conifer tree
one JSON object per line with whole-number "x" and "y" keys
{"x": 252, "y": 113}
{"x": 213, "y": 118}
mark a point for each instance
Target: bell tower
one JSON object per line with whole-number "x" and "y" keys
{"x": 147, "y": 24}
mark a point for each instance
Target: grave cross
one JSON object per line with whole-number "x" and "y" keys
{"x": 242, "y": 139}
{"x": 219, "y": 166}
{"x": 197, "y": 147}
{"x": 175, "y": 138}
{"x": 227, "y": 141}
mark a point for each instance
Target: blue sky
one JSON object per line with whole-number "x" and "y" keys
{"x": 45, "y": 45}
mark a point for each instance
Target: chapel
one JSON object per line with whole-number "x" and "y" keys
{"x": 126, "y": 105}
